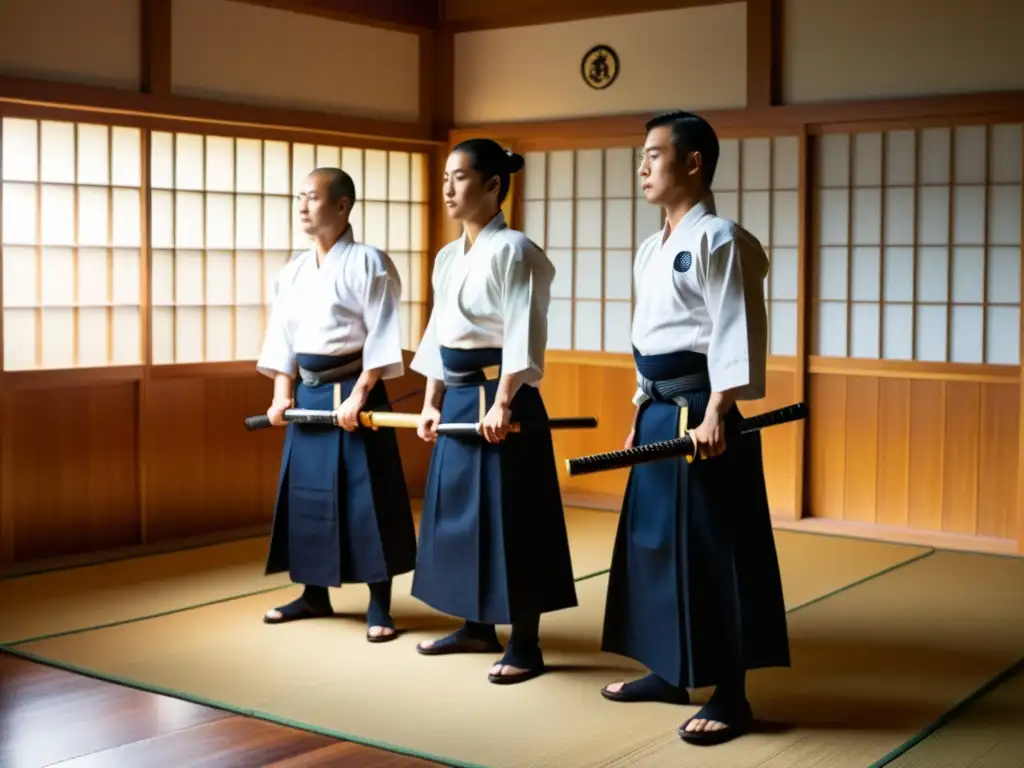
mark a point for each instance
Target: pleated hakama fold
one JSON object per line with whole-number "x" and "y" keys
{"x": 695, "y": 592}
{"x": 493, "y": 542}
{"x": 342, "y": 514}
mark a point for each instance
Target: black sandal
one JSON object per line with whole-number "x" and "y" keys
{"x": 650, "y": 688}
{"x": 297, "y": 610}
{"x": 531, "y": 661}
{"x": 382, "y": 638}
{"x": 737, "y": 719}
{"x": 461, "y": 641}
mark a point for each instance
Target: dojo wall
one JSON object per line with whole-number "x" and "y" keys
{"x": 830, "y": 51}
{"x": 219, "y": 49}
{"x": 544, "y": 66}
{"x": 247, "y": 53}
{"x": 138, "y": 248}
{"x": 149, "y": 449}
{"x": 878, "y": 158}
{"x": 834, "y": 50}
{"x": 43, "y": 39}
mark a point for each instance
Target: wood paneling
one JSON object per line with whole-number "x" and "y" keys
{"x": 581, "y": 385}
{"x": 925, "y": 454}
{"x": 88, "y": 467}
{"x": 204, "y": 471}
{"x": 68, "y": 469}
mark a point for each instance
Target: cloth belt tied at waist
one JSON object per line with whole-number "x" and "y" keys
{"x": 331, "y": 375}
{"x": 671, "y": 389}
{"x": 476, "y": 376}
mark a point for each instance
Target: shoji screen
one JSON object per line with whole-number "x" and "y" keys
{"x": 224, "y": 223}
{"x": 917, "y": 245}
{"x": 71, "y": 244}
{"x": 585, "y": 208}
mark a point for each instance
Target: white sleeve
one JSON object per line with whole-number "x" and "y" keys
{"x": 277, "y": 354}
{"x": 382, "y": 317}
{"x": 526, "y": 296}
{"x": 734, "y": 295}
{"x": 427, "y": 360}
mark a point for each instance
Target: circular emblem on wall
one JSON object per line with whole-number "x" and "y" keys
{"x": 600, "y": 67}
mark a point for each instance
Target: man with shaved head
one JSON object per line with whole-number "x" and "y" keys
{"x": 332, "y": 339}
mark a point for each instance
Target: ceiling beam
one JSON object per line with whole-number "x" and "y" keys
{"x": 475, "y": 15}
{"x": 399, "y": 15}
{"x": 155, "y": 46}
{"x": 167, "y": 109}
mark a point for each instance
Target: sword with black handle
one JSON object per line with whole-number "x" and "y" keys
{"x": 390, "y": 419}
{"x": 677, "y": 448}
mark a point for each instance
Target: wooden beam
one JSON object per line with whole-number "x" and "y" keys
{"x": 1020, "y": 395}
{"x": 114, "y": 101}
{"x": 804, "y": 318}
{"x": 437, "y": 83}
{"x": 764, "y": 53}
{"x": 437, "y": 77}
{"x": 762, "y": 121}
{"x": 397, "y": 15}
{"x": 474, "y": 15}
{"x": 155, "y": 46}
{"x": 7, "y": 550}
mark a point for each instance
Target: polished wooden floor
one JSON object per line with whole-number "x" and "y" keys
{"x": 49, "y": 717}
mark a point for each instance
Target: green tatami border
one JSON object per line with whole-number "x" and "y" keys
{"x": 951, "y": 714}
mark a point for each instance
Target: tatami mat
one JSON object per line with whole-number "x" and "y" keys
{"x": 107, "y": 593}
{"x": 877, "y": 664}
{"x": 986, "y": 733}
{"x": 323, "y": 675}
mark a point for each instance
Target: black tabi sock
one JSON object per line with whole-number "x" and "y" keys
{"x": 379, "y": 612}
{"x": 473, "y": 630}
{"x": 524, "y": 644}
{"x": 316, "y": 597}
{"x": 731, "y": 692}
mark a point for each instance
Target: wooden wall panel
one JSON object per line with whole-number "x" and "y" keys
{"x": 585, "y": 389}
{"x": 780, "y": 445}
{"x": 87, "y": 467}
{"x": 69, "y": 469}
{"x": 204, "y": 471}
{"x": 929, "y": 455}
{"x": 604, "y": 390}
{"x": 207, "y": 473}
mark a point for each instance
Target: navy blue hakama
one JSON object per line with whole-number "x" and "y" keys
{"x": 695, "y": 592}
{"x": 342, "y": 514}
{"x": 493, "y": 544}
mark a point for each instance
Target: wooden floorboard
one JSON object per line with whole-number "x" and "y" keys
{"x": 50, "y": 717}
